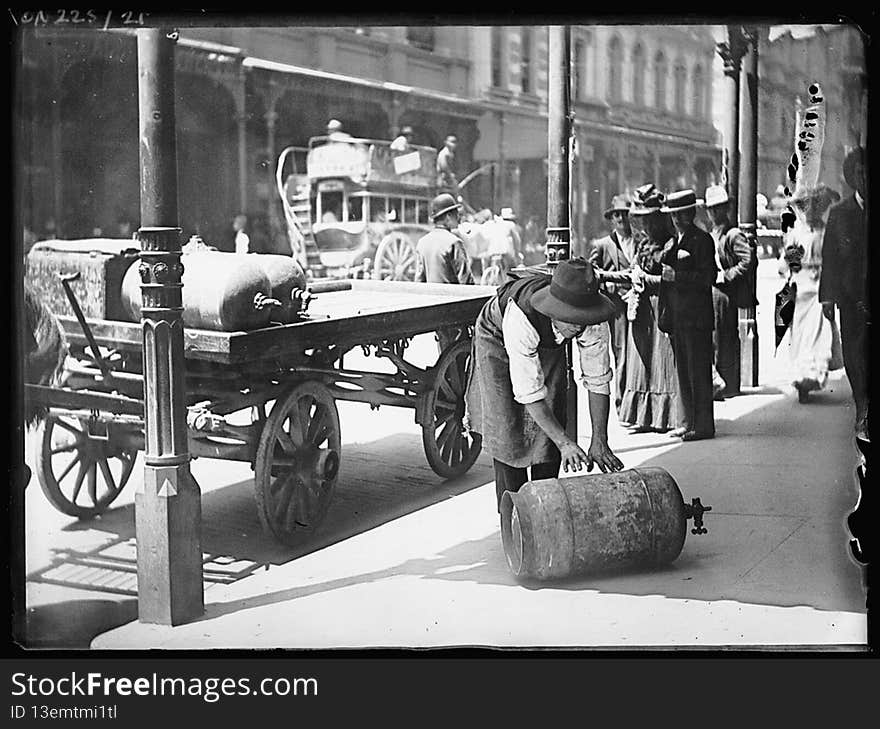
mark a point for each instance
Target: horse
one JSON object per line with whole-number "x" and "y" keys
{"x": 45, "y": 349}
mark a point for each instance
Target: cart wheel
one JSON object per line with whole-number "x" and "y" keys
{"x": 395, "y": 259}
{"x": 450, "y": 449}
{"x": 67, "y": 457}
{"x": 297, "y": 462}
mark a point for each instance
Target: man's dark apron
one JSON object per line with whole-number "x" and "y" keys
{"x": 509, "y": 433}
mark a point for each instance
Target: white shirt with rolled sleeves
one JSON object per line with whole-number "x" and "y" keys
{"x": 526, "y": 376}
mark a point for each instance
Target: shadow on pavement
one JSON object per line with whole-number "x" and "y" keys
{"x": 75, "y": 623}
{"x": 767, "y": 500}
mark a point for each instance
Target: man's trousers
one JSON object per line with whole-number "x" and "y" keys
{"x": 510, "y": 478}
{"x": 693, "y": 363}
{"x": 725, "y": 340}
{"x": 854, "y": 342}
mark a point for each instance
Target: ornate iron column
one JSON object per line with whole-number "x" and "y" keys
{"x": 558, "y": 245}
{"x": 748, "y": 204}
{"x": 168, "y": 505}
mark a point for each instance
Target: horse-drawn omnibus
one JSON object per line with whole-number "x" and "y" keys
{"x": 361, "y": 204}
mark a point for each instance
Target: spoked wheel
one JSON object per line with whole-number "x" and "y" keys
{"x": 451, "y": 450}
{"x": 80, "y": 474}
{"x": 297, "y": 462}
{"x": 395, "y": 259}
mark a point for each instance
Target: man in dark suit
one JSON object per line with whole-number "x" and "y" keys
{"x": 736, "y": 261}
{"x": 616, "y": 252}
{"x": 844, "y": 281}
{"x": 686, "y": 309}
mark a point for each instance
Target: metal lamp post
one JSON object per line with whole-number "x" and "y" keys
{"x": 168, "y": 505}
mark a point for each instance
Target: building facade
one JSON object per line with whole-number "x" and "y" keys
{"x": 835, "y": 59}
{"x": 641, "y": 97}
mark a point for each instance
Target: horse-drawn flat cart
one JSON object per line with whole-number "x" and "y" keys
{"x": 280, "y": 383}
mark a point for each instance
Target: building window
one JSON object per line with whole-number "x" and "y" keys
{"x": 699, "y": 102}
{"x": 680, "y": 81}
{"x": 578, "y": 72}
{"x": 497, "y": 43}
{"x": 660, "y": 81}
{"x": 421, "y": 37}
{"x": 638, "y": 85}
{"x": 615, "y": 69}
{"x": 526, "y": 60}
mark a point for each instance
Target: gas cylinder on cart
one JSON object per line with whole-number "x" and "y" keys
{"x": 287, "y": 280}
{"x": 565, "y": 527}
{"x": 221, "y": 291}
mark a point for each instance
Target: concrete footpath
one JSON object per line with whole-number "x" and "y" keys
{"x": 774, "y": 568}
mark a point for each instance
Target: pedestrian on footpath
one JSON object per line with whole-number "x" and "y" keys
{"x": 844, "y": 281}
{"x": 688, "y": 272}
{"x": 441, "y": 256}
{"x": 615, "y": 254}
{"x": 242, "y": 239}
{"x": 516, "y": 394}
{"x": 737, "y": 263}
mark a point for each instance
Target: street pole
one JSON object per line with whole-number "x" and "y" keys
{"x": 748, "y": 204}
{"x": 168, "y": 504}
{"x": 558, "y": 246}
{"x": 731, "y": 54}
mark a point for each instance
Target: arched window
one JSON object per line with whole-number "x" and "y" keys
{"x": 699, "y": 99}
{"x": 638, "y": 86}
{"x": 680, "y": 81}
{"x": 421, "y": 36}
{"x": 615, "y": 69}
{"x": 660, "y": 81}
{"x": 497, "y": 51}
{"x": 526, "y": 60}
{"x": 578, "y": 72}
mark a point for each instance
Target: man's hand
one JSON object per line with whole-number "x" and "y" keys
{"x": 719, "y": 279}
{"x": 828, "y": 310}
{"x": 603, "y": 457}
{"x": 668, "y": 273}
{"x": 593, "y": 258}
{"x": 573, "y": 457}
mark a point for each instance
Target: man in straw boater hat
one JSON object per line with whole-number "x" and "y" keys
{"x": 736, "y": 262}
{"x": 617, "y": 252}
{"x": 686, "y": 313}
{"x": 516, "y": 394}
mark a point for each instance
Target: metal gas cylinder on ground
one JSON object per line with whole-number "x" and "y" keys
{"x": 558, "y": 528}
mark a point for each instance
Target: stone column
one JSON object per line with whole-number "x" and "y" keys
{"x": 501, "y": 177}
{"x": 748, "y": 190}
{"x": 168, "y": 503}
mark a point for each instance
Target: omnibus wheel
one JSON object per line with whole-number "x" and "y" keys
{"x": 81, "y": 475}
{"x": 450, "y": 449}
{"x": 395, "y": 259}
{"x": 297, "y": 462}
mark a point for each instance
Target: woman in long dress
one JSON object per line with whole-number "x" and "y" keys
{"x": 650, "y": 399}
{"x": 813, "y": 334}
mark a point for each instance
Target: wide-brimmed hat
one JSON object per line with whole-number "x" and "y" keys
{"x": 619, "y": 204}
{"x": 508, "y": 214}
{"x": 647, "y": 199}
{"x": 573, "y": 295}
{"x": 681, "y": 200}
{"x": 443, "y": 203}
{"x": 334, "y": 125}
{"x": 715, "y": 195}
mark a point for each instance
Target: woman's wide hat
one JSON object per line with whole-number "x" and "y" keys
{"x": 681, "y": 200}
{"x": 573, "y": 295}
{"x": 647, "y": 199}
